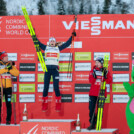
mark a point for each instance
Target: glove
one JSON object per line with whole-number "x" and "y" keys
{"x": 73, "y": 33}
{"x": 94, "y": 74}
{"x": 9, "y": 66}
{"x": 105, "y": 73}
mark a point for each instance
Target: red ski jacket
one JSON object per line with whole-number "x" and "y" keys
{"x": 96, "y": 83}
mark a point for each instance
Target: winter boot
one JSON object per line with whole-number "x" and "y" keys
{"x": 45, "y": 104}
{"x": 58, "y": 104}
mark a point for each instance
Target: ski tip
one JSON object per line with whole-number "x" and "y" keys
{"x": 23, "y": 7}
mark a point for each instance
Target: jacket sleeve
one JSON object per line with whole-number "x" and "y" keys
{"x": 91, "y": 78}
{"x": 65, "y": 45}
{"x": 42, "y": 46}
{"x": 3, "y": 70}
{"x": 14, "y": 71}
{"x": 109, "y": 78}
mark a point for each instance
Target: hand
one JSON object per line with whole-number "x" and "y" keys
{"x": 9, "y": 66}
{"x": 105, "y": 73}
{"x": 73, "y": 33}
{"x": 94, "y": 74}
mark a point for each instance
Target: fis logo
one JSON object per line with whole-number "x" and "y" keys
{"x": 96, "y": 25}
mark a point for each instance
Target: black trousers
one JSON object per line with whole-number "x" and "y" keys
{"x": 55, "y": 74}
{"x": 92, "y": 115}
{"x": 7, "y": 92}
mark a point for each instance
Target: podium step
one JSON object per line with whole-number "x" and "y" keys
{"x": 42, "y": 126}
{"x": 8, "y": 129}
{"x": 103, "y": 131}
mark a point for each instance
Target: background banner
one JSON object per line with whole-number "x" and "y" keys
{"x": 97, "y": 35}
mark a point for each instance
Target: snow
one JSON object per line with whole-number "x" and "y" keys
{"x": 51, "y": 6}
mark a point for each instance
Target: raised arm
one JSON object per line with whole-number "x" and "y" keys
{"x": 65, "y": 45}
{"x": 42, "y": 46}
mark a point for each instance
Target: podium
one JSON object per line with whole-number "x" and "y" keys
{"x": 44, "y": 126}
{"x": 103, "y": 131}
{"x": 8, "y": 129}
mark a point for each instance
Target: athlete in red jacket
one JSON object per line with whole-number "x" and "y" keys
{"x": 95, "y": 78}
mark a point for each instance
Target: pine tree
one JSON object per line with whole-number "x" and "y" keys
{"x": 81, "y": 8}
{"x": 124, "y": 8}
{"x": 40, "y": 7}
{"x": 106, "y": 7}
{"x": 3, "y": 11}
{"x": 71, "y": 7}
{"x": 61, "y": 10}
{"x": 98, "y": 10}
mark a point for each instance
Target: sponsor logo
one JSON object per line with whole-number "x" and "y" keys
{"x": 41, "y": 87}
{"x": 14, "y": 79}
{"x": 26, "y": 87}
{"x": 118, "y": 88}
{"x": 120, "y": 98}
{"x": 101, "y": 54}
{"x": 26, "y": 97}
{"x": 66, "y": 98}
{"x": 27, "y": 66}
{"x": 64, "y": 77}
{"x": 64, "y": 67}
{"x": 27, "y": 57}
{"x": 82, "y": 66}
{"x": 45, "y": 128}
{"x": 65, "y": 88}
{"x": 120, "y": 77}
{"x": 132, "y": 55}
{"x": 120, "y": 66}
{"x": 39, "y": 67}
{"x": 107, "y": 99}
{"x": 121, "y": 56}
{"x": 12, "y": 56}
{"x": 82, "y": 77}
{"x": 65, "y": 57}
{"x": 39, "y": 97}
{"x": 96, "y": 25}
{"x": 80, "y": 56}
{"x": 27, "y": 77}
{"x": 81, "y": 98}
{"x": 41, "y": 78}
{"x": 82, "y": 87}
{"x": 108, "y": 88}
{"x": 14, "y": 87}
{"x": 77, "y": 44}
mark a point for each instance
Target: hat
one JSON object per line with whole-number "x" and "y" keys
{"x": 52, "y": 38}
{"x": 2, "y": 55}
{"x": 100, "y": 59}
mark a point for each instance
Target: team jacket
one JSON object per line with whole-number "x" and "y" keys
{"x": 6, "y": 75}
{"x": 96, "y": 83}
{"x": 52, "y": 54}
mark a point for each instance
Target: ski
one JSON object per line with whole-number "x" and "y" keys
{"x": 33, "y": 35}
{"x": 101, "y": 98}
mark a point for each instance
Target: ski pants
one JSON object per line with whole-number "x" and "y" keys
{"x": 92, "y": 107}
{"x": 7, "y": 92}
{"x": 47, "y": 77}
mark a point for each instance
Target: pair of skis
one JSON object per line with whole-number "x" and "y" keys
{"x": 33, "y": 35}
{"x": 101, "y": 98}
